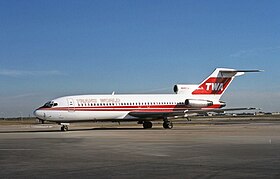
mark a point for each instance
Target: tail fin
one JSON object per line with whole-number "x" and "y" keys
{"x": 218, "y": 81}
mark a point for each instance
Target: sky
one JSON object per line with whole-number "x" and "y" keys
{"x": 55, "y": 48}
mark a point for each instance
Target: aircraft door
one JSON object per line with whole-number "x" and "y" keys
{"x": 71, "y": 105}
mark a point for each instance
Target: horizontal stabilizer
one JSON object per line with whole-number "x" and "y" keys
{"x": 245, "y": 71}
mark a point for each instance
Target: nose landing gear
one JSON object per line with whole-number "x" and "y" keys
{"x": 64, "y": 126}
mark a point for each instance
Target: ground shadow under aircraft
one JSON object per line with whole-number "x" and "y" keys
{"x": 73, "y": 130}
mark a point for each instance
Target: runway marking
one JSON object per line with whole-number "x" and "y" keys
{"x": 154, "y": 154}
{"x": 159, "y": 155}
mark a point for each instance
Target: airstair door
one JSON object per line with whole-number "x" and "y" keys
{"x": 71, "y": 105}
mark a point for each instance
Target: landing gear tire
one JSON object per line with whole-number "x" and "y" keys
{"x": 147, "y": 125}
{"x": 167, "y": 125}
{"x": 64, "y": 128}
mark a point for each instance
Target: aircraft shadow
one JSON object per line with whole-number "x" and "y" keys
{"x": 74, "y": 130}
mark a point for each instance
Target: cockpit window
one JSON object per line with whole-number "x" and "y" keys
{"x": 50, "y": 104}
{"x": 47, "y": 105}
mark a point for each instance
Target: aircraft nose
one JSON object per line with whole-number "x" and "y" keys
{"x": 39, "y": 114}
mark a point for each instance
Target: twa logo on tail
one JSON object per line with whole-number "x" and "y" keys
{"x": 213, "y": 85}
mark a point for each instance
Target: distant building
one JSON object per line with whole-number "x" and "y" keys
{"x": 259, "y": 113}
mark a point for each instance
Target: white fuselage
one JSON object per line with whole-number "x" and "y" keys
{"x": 113, "y": 107}
{"x": 188, "y": 98}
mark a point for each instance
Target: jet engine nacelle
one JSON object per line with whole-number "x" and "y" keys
{"x": 196, "y": 103}
{"x": 181, "y": 88}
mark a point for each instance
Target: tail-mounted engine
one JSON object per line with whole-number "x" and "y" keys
{"x": 183, "y": 89}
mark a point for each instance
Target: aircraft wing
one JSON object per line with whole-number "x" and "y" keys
{"x": 161, "y": 114}
{"x": 218, "y": 110}
{"x": 156, "y": 114}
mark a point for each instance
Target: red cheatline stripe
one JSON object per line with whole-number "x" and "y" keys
{"x": 126, "y": 108}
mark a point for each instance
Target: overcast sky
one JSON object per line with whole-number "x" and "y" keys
{"x": 55, "y": 48}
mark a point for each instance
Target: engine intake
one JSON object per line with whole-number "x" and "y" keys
{"x": 183, "y": 89}
{"x": 196, "y": 103}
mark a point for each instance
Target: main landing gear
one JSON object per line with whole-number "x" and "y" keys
{"x": 147, "y": 125}
{"x": 40, "y": 121}
{"x": 64, "y": 126}
{"x": 167, "y": 124}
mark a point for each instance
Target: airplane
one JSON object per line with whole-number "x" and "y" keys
{"x": 187, "y": 100}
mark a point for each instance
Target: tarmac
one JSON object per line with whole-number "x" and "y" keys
{"x": 240, "y": 150}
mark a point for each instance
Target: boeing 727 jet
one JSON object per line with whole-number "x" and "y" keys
{"x": 144, "y": 108}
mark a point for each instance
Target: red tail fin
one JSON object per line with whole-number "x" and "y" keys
{"x": 218, "y": 81}
{"x": 213, "y": 85}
